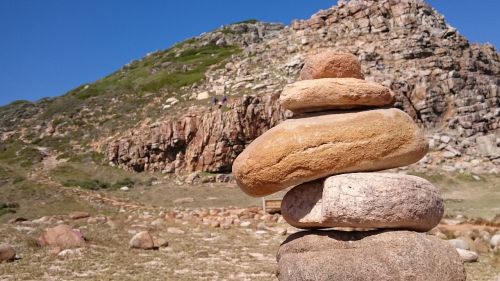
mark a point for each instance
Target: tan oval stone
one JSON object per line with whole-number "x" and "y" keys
{"x": 334, "y": 93}
{"x": 368, "y": 256}
{"x": 7, "y": 253}
{"x": 330, "y": 64}
{"x": 364, "y": 200}
{"x": 142, "y": 240}
{"x": 62, "y": 236}
{"x": 306, "y": 149}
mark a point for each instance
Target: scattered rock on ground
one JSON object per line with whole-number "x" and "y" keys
{"x": 79, "y": 215}
{"x": 184, "y": 200}
{"x": 62, "y": 236}
{"x": 160, "y": 243}
{"x": 142, "y": 240}
{"x": 69, "y": 253}
{"x": 175, "y": 230}
{"x": 468, "y": 256}
{"x": 7, "y": 253}
{"x": 495, "y": 241}
{"x": 459, "y": 244}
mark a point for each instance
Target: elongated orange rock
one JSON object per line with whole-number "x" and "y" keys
{"x": 305, "y": 149}
{"x": 334, "y": 93}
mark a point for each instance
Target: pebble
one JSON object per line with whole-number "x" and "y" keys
{"x": 495, "y": 241}
{"x": 459, "y": 244}
{"x": 468, "y": 256}
{"x": 175, "y": 230}
{"x": 7, "y": 253}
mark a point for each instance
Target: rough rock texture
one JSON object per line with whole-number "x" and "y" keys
{"x": 63, "y": 237}
{"x": 197, "y": 141}
{"x": 368, "y": 256}
{"x": 445, "y": 83}
{"x": 364, "y": 200}
{"x": 309, "y": 148}
{"x": 334, "y": 93}
{"x": 142, "y": 240}
{"x": 331, "y": 65}
{"x": 7, "y": 253}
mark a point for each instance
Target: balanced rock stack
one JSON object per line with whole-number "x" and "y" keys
{"x": 343, "y": 129}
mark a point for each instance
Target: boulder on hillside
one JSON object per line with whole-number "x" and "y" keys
{"x": 142, "y": 240}
{"x": 62, "y": 236}
{"x": 7, "y": 253}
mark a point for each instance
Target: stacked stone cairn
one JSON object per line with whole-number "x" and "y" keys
{"x": 343, "y": 130}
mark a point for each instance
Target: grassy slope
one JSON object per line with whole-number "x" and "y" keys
{"x": 116, "y": 102}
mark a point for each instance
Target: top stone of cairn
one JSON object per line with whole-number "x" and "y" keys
{"x": 331, "y": 65}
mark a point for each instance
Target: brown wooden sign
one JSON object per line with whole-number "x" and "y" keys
{"x": 271, "y": 205}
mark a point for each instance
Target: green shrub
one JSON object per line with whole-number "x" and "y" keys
{"x": 18, "y": 179}
{"x": 67, "y": 104}
{"x": 251, "y": 21}
{"x": 96, "y": 184}
{"x": 19, "y": 153}
{"x": 92, "y": 184}
{"x": 124, "y": 182}
{"x": 19, "y": 102}
{"x": 6, "y": 208}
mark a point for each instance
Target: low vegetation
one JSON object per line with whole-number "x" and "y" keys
{"x": 172, "y": 68}
{"x": 6, "y": 208}
{"x": 95, "y": 177}
{"x": 19, "y": 153}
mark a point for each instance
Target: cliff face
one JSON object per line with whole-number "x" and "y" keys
{"x": 448, "y": 85}
{"x": 198, "y": 141}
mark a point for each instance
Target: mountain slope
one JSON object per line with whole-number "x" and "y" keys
{"x": 154, "y": 114}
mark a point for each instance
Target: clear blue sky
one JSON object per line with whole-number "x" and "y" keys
{"x": 48, "y": 47}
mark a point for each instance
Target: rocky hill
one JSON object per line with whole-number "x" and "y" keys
{"x": 156, "y": 114}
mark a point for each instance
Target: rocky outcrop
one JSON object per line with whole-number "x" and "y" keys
{"x": 449, "y": 86}
{"x": 199, "y": 140}
{"x": 447, "y": 81}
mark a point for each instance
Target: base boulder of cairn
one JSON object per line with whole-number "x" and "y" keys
{"x": 364, "y": 200}
{"x": 368, "y": 256}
